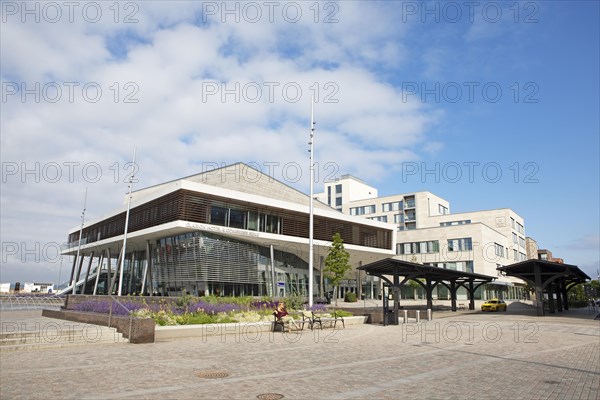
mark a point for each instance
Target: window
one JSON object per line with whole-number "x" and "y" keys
{"x": 410, "y": 202}
{"x": 398, "y": 218}
{"x": 218, "y": 215}
{"x": 338, "y": 202}
{"x": 338, "y": 189}
{"x": 237, "y": 219}
{"x": 252, "y": 220}
{"x": 522, "y": 256}
{"x": 512, "y": 222}
{"x": 462, "y": 244}
{"x": 499, "y": 249}
{"x": 521, "y": 242}
{"x": 442, "y": 209}
{"x": 329, "y": 195}
{"x": 515, "y": 238}
{"x": 515, "y": 255}
{"x": 270, "y": 223}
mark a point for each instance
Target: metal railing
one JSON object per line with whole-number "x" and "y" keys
{"x": 17, "y": 302}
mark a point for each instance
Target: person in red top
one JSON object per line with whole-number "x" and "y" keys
{"x": 280, "y": 311}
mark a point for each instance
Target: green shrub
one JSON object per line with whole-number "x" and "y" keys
{"x": 342, "y": 313}
{"x": 294, "y": 302}
{"x": 185, "y": 300}
{"x": 350, "y": 297}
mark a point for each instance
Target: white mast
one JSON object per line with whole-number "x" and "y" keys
{"x": 311, "y": 218}
{"x": 126, "y": 226}
{"x": 75, "y": 272}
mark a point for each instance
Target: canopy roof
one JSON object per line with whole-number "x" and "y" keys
{"x": 549, "y": 272}
{"x": 395, "y": 267}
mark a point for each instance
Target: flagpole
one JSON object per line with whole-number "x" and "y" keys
{"x": 126, "y": 226}
{"x": 76, "y": 273}
{"x": 311, "y": 217}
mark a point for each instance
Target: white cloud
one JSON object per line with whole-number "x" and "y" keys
{"x": 165, "y": 62}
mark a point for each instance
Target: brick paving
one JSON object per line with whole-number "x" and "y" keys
{"x": 459, "y": 355}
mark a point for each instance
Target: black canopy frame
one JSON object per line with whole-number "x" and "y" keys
{"x": 548, "y": 277}
{"x": 426, "y": 276}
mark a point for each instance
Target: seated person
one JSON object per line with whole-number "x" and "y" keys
{"x": 281, "y": 314}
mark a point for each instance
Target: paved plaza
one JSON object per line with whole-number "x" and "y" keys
{"x": 456, "y": 356}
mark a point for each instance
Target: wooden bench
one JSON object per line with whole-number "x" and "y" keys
{"x": 334, "y": 318}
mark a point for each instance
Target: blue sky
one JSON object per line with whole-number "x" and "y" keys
{"x": 511, "y": 87}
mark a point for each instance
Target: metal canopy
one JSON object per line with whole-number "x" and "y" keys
{"x": 548, "y": 277}
{"x": 391, "y": 266}
{"x": 431, "y": 275}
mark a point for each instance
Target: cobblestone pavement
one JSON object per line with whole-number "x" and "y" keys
{"x": 463, "y": 355}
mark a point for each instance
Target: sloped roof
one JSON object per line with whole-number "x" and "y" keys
{"x": 243, "y": 178}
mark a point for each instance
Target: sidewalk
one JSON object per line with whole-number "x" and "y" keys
{"x": 451, "y": 357}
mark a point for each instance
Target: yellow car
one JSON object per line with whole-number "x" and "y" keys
{"x": 494, "y": 305}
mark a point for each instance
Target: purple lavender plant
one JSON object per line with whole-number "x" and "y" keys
{"x": 104, "y": 307}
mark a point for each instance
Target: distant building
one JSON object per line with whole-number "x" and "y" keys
{"x": 4, "y": 287}
{"x": 428, "y": 233}
{"x": 546, "y": 255}
{"x": 38, "y": 287}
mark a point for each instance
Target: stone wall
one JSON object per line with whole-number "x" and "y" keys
{"x": 137, "y": 330}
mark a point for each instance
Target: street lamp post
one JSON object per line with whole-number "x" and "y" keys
{"x": 311, "y": 209}
{"x": 122, "y": 267}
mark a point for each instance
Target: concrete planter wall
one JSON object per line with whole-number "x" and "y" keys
{"x": 73, "y": 300}
{"x": 137, "y": 330}
{"x": 251, "y": 331}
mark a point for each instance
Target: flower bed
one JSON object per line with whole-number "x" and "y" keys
{"x": 187, "y": 310}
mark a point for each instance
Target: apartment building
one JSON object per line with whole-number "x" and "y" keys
{"x": 430, "y": 234}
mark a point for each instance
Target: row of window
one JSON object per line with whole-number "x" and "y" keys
{"x": 519, "y": 256}
{"x": 363, "y": 210}
{"x": 250, "y": 220}
{"x": 453, "y": 223}
{"x": 382, "y": 218}
{"x": 432, "y": 246}
{"x": 517, "y": 226}
{"x": 518, "y": 240}
{"x": 465, "y": 266}
{"x": 462, "y": 244}
{"x": 394, "y": 206}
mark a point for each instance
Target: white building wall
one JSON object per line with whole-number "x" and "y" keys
{"x": 482, "y": 254}
{"x": 347, "y": 189}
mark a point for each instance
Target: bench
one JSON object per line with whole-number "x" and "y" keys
{"x": 295, "y": 319}
{"x": 334, "y": 318}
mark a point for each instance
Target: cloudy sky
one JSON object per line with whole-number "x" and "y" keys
{"x": 486, "y": 104}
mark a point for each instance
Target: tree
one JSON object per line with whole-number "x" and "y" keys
{"x": 336, "y": 263}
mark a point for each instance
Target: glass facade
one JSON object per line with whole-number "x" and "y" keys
{"x": 205, "y": 263}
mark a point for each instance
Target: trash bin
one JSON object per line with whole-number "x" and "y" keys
{"x": 390, "y": 317}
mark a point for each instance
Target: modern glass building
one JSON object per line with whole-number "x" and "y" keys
{"x": 228, "y": 231}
